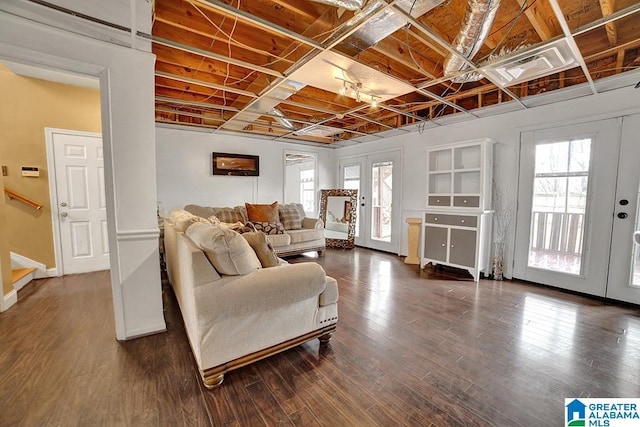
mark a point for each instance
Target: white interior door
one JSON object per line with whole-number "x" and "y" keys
{"x": 577, "y": 208}
{"x": 377, "y": 178}
{"x": 80, "y": 209}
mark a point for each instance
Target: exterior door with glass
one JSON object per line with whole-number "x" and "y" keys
{"x": 568, "y": 231}
{"x": 379, "y": 192}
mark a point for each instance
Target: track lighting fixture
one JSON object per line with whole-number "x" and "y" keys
{"x": 356, "y": 91}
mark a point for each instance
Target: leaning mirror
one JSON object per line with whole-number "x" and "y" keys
{"x": 338, "y": 212}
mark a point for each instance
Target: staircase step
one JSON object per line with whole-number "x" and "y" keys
{"x": 19, "y": 274}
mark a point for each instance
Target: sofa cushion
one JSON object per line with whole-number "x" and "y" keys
{"x": 305, "y": 235}
{"x": 182, "y": 219}
{"x": 278, "y": 240}
{"x": 262, "y": 247}
{"x": 226, "y": 214}
{"x": 262, "y": 213}
{"x": 229, "y": 253}
{"x": 268, "y": 227}
{"x": 291, "y": 215}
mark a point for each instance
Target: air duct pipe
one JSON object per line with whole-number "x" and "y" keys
{"x": 345, "y": 4}
{"x": 475, "y": 28}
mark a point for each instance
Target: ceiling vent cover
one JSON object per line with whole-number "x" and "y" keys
{"x": 546, "y": 60}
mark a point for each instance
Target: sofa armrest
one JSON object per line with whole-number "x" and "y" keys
{"x": 265, "y": 289}
{"x": 312, "y": 223}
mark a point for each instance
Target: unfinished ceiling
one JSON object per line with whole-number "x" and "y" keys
{"x": 335, "y": 72}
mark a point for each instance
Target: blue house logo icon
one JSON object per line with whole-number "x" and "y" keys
{"x": 576, "y": 413}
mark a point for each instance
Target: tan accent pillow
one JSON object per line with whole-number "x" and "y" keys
{"x": 263, "y": 213}
{"x": 229, "y": 253}
{"x": 263, "y": 249}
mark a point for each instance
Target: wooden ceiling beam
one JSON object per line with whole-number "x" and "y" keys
{"x": 218, "y": 39}
{"x": 608, "y": 7}
{"x": 632, "y": 44}
{"x": 538, "y": 20}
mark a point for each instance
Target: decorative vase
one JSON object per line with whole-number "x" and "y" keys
{"x": 497, "y": 262}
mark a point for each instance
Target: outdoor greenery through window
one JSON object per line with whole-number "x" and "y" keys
{"x": 559, "y": 205}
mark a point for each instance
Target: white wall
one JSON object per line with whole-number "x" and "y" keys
{"x": 505, "y": 130}
{"x": 183, "y": 165}
{"x": 127, "y": 92}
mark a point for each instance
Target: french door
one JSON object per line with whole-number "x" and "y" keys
{"x": 578, "y": 208}
{"x": 377, "y": 178}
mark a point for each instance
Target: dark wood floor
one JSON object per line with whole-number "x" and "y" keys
{"x": 412, "y": 348}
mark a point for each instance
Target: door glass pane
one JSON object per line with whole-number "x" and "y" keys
{"x": 381, "y": 197}
{"x": 559, "y": 205}
{"x": 351, "y": 181}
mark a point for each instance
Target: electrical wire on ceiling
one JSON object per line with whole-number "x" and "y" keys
{"x": 512, "y": 22}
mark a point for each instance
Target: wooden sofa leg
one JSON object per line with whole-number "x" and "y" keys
{"x": 320, "y": 253}
{"x": 213, "y": 382}
{"x": 324, "y": 339}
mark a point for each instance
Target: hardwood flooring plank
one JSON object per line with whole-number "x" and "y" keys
{"x": 412, "y": 348}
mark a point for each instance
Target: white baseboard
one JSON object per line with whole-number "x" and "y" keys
{"x": 139, "y": 333}
{"x": 9, "y": 300}
{"x": 50, "y": 272}
{"x": 19, "y": 261}
{"x": 22, "y": 282}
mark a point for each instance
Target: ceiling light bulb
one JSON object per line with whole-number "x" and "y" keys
{"x": 374, "y": 103}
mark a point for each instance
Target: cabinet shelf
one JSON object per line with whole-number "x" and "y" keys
{"x": 460, "y": 170}
{"x": 457, "y": 222}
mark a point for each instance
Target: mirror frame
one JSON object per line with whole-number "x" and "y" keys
{"x": 347, "y": 243}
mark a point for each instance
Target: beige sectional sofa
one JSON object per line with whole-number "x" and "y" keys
{"x": 250, "y": 313}
{"x": 301, "y": 233}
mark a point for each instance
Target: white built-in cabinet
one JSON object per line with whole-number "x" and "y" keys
{"x": 458, "y": 218}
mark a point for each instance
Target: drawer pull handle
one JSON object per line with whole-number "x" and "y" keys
{"x": 452, "y": 246}
{"x": 464, "y": 201}
{"x": 435, "y": 219}
{"x": 443, "y": 245}
{"x": 462, "y": 221}
{"x": 437, "y": 200}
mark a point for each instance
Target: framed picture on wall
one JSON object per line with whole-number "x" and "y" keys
{"x": 235, "y": 164}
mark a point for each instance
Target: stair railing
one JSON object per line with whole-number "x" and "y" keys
{"x": 24, "y": 199}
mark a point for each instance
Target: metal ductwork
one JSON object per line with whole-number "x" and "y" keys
{"x": 281, "y": 118}
{"x": 475, "y": 28}
{"x": 345, "y": 4}
{"x": 381, "y": 26}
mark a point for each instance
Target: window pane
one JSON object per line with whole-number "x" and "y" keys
{"x": 552, "y": 158}
{"x": 382, "y": 192}
{"x": 580, "y": 155}
{"x": 351, "y": 181}
{"x": 559, "y": 206}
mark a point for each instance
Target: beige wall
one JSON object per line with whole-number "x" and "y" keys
{"x": 5, "y": 259}
{"x": 27, "y": 107}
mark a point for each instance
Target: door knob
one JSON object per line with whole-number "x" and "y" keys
{"x": 622, "y": 215}
{"x": 64, "y": 214}
{"x": 63, "y": 204}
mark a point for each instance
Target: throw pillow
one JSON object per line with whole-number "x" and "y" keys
{"x": 263, "y": 213}
{"x": 267, "y": 227}
{"x": 291, "y": 216}
{"x": 183, "y": 219}
{"x": 263, "y": 249}
{"x": 228, "y": 252}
